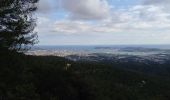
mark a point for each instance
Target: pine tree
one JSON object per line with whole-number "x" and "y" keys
{"x": 17, "y": 24}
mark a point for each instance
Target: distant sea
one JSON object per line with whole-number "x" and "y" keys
{"x": 90, "y": 47}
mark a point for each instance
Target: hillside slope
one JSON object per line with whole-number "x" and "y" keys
{"x": 53, "y": 78}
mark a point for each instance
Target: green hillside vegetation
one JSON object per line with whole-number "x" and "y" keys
{"x": 52, "y": 78}
{"x": 39, "y": 78}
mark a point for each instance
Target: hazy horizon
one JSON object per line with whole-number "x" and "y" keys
{"x": 107, "y": 45}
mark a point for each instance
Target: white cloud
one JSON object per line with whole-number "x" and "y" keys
{"x": 44, "y": 25}
{"x": 134, "y": 19}
{"x": 87, "y": 9}
{"x": 157, "y": 2}
{"x": 81, "y": 27}
{"x": 149, "y": 17}
{"x": 148, "y": 22}
{"x": 44, "y": 6}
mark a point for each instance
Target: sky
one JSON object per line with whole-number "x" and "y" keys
{"x": 103, "y": 22}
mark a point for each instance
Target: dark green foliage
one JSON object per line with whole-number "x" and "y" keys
{"x": 112, "y": 83}
{"x": 46, "y": 78}
{"x": 39, "y": 78}
{"x": 17, "y": 24}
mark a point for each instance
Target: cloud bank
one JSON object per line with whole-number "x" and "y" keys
{"x": 86, "y": 9}
{"x": 76, "y": 17}
{"x": 156, "y": 2}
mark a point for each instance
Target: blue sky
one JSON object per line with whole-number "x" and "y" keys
{"x": 103, "y": 22}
